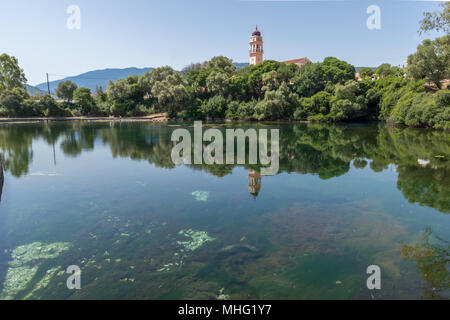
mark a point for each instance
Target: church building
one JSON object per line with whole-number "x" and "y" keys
{"x": 256, "y": 48}
{"x": 257, "y": 51}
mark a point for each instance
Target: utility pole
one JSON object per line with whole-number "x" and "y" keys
{"x": 48, "y": 86}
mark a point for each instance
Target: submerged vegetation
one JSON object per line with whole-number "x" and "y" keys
{"x": 196, "y": 232}
{"x": 432, "y": 255}
{"x": 24, "y": 265}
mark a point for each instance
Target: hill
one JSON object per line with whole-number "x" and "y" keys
{"x": 96, "y": 78}
{"x": 32, "y": 91}
{"x": 240, "y": 65}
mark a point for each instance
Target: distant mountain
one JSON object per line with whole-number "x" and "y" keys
{"x": 32, "y": 91}
{"x": 240, "y": 65}
{"x": 96, "y": 78}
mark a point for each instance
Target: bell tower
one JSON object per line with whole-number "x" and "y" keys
{"x": 256, "y": 48}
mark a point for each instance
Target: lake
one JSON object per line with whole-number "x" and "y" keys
{"x": 106, "y": 197}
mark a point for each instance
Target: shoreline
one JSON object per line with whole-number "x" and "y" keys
{"x": 156, "y": 118}
{"x": 162, "y": 119}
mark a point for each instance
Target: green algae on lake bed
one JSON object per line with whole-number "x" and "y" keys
{"x": 195, "y": 239}
{"x": 24, "y": 265}
{"x": 201, "y": 195}
{"x": 139, "y": 227}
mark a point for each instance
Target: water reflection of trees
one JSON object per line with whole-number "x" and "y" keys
{"x": 432, "y": 255}
{"x": 1, "y": 177}
{"x": 421, "y": 156}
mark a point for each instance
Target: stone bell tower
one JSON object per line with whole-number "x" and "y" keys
{"x": 256, "y": 48}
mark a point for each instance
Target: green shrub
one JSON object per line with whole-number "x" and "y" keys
{"x": 232, "y": 110}
{"x": 215, "y": 107}
{"x": 246, "y": 110}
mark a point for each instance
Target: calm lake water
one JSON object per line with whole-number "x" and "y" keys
{"x": 107, "y": 198}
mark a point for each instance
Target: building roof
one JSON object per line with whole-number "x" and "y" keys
{"x": 300, "y": 62}
{"x": 256, "y": 33}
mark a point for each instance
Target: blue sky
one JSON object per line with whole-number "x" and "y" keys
{"x": 152, "y": 33}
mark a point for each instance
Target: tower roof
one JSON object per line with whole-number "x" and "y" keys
{"x": 256, "y": 32}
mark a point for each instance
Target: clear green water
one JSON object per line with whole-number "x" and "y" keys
{"x": 106, "y": 197}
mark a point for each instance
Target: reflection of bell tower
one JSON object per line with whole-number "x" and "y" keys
{"x": 256, "y": 48}
{"x": 254, "y": 183}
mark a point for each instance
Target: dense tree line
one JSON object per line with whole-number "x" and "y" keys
{"x": 326, "y": 91}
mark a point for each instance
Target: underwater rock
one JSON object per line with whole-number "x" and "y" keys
{"x": 201, "y": 195}
{"x": 25, "y": 264}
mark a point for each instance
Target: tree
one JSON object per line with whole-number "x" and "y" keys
{"x": 431, "y": 61}
{"x": 169, "y": 88}
{"x": 346, "y": 103}
{"x": 286, "y": 72}
{"x": 365, "y": 72}
{"x": 438, "y": 21}
{"x": 118, "y": 91}
{"x": 217, "y": 82}
{"x": 65, "y": 90}
{"x": 270, "y": 80}
{"x": 192, "y": 66}
{"x": 310, "y": 80}
{"x": 337, "y": 71}
{"x": 221, "y": 63}
{"x": 215, "y": 107}
{"x": 277, "y": 104}
{"x": 383, "y": 70}
{"x": 11, "y": 75}
{"x": 51, "y": 108}
{"x": 318, "y": 103}
{"x": 237, "y": 88}
{"x": 232, "y": 110}
{"x": 254, "y": 77}
{"x": 84, "y": 100}
{"x": 12, "y": 100}
{"x": 386, "y": 70}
